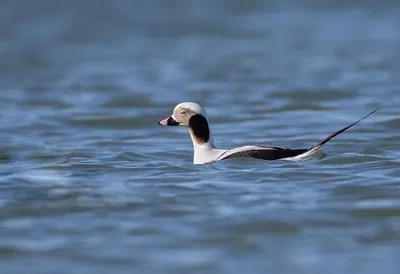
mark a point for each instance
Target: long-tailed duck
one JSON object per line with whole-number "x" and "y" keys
{"x": 193, "y": 117}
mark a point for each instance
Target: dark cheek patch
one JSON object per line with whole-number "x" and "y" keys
{"x": 199, "y": 125}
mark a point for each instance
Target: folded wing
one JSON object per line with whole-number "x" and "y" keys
{"x": 262, "y": 152}
{"x": 274, "y": 153}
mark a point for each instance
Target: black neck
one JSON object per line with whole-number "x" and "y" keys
{"x": 199, "y": 125}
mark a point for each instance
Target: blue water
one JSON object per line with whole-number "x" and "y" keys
{"x": 89, "y": 183}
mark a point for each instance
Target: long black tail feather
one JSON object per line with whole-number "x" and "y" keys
{"x": 327, "y": 139}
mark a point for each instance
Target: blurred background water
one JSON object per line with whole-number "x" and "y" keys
{"x": 89, "y": 183}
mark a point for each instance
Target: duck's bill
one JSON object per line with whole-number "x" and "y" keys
{"x": 168, "y": 122}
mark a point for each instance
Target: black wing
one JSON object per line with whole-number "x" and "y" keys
{"x": 269, "y": 153}
{"x": 275, "y": 153}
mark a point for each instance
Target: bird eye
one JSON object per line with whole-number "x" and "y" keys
{"x": 183, "y": 112}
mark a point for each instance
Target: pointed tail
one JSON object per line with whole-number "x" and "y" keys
{"x": 327, "y": 139}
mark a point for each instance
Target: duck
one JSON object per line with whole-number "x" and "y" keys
{"x": 193, "y": 117}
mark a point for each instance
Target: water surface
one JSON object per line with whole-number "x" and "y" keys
{"x": 89, "y": 183}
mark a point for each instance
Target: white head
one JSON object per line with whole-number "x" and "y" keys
{"x": 193, "y": 117}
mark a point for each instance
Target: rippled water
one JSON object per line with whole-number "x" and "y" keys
{"x": 89, "y": 183}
